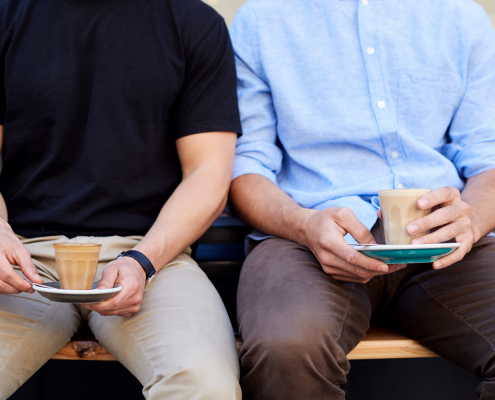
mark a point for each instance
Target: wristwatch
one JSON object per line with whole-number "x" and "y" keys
{"x": 145, "y": 263}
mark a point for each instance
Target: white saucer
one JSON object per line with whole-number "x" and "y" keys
{"x": 75, "y": 296}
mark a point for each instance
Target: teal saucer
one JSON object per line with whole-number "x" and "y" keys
{"x": 408, "y": 254}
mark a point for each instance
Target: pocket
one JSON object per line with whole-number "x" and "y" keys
{"x": 427, "y": 102}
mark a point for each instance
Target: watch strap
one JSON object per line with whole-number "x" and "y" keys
{"x": 141, "y": 259}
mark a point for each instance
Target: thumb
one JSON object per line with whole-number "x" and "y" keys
{"x": 28, "y": 268}
{"x": 108, "y": 277}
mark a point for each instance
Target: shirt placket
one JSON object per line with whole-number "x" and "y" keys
{"x": 383, "y": 106}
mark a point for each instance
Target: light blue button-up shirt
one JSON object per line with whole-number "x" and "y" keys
{"x": 340, "y": 99}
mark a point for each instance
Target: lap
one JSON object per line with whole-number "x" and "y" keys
{"x": 284, "y": 293}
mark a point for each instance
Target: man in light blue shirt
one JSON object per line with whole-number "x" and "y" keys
{"x": 340, "y": 99}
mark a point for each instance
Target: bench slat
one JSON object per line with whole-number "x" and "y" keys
{"x": 88, "y": 350}
{"x": 379, "y": 343}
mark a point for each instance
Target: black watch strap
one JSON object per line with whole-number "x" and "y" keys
{"x": 141, "y": 259}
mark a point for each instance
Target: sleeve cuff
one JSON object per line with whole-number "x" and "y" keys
{"x": 475, "y": 159}
{"x": 209, "y": 126}
{"x": 244, "y": 165}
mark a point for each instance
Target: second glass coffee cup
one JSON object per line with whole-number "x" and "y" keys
{"x": 399, "y": 207}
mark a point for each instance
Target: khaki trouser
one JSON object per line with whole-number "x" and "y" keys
{"x": 179, "y": 345}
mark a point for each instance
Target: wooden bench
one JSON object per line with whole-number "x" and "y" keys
{"x": 220, "y": 253}
{"x": 379, "y": 343}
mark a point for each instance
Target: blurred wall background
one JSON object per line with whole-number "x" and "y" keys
{"x": 228, "y": 8}
{"x": 489, "y": 7}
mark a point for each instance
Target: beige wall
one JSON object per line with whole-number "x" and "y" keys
{"x": 489, "y": 7}
{"x": 228, "y": 8}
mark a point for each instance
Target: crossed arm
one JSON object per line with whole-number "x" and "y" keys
{"x": 467, "y": 217}
{"x": 206, "y": 160}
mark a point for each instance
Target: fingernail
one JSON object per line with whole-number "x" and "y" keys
{"x": 402, "y": 266}
{"x": 423, "y": 203}
{"x": 412, "y": 229}
{"x": 101, "y": 287}
{"x": 383, "y": 268}
{"x": 437, "y": 265}
{"x": 417, "y": 241}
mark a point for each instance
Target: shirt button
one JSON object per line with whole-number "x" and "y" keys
{"x": 400, "y": 186}
{"x": 371, "y": 50}
{"x": 395, "y": 154}
{"x": 382, "y": 104}
{"x": 365, "y": 2}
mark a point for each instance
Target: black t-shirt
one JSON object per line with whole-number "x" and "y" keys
{"x": 94, "y": 95}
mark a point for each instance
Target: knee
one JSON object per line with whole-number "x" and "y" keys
{"x": 313, "y": 346}
{"x": 200, "y": 375}
{"x": 214, "y": 379}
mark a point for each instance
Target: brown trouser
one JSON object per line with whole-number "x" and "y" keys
{"x": 298, "y": 324}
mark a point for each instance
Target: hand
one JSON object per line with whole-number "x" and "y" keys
{"x": 324, "y": 233}
{"x": 129, "y": 274}
{"x": 13, "y": 252}
{"x": 453, "y": 219}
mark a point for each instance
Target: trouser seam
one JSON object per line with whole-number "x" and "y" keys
{"x": 452, "y": 313}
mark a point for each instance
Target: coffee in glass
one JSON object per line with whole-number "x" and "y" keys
{"x": 77, "y": 264}
{"x": 399, "y": 207}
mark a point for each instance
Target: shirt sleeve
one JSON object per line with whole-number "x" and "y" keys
{"x": 207, "y": 101}
{"x": 257, "y": 151}
{"x": 472, "y": 131}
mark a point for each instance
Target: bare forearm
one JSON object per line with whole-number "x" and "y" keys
{"x": 479, "y": 193}
{"x": 193, "y": 207}
{"x": 3, "y": 209}
{"x": 266, "y": 207}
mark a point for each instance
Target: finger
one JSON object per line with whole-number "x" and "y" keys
{"x": 444, "y": 234}
{"x": 339, "y": 247}
{"x": 439, "y": 196}
{"x": 364, "y": 274}
{"x": 121, "y": 312}
{"x": 5, "y": 288}
{"x": 108, "y": 277}
{"x": 379, "y": 213}
{"x": 9, "y": 276}
{"x": 442, "y": 216}
{"x": 87, "y": 306}
{"x": 454, "y": 257}
{"x": 330, "y": 260}
{"x": 345, "y": 278}
{"x": 118, "y": 301}
{"x": 348, "y": 220}
{"x": 27, "y": 266}
{"x": 340, "y": 267}
{"x": 349, "y": 277}
{"x": 126, "y": 312}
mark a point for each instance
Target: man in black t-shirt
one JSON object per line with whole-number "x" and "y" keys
{"x": 118, "y": 126}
